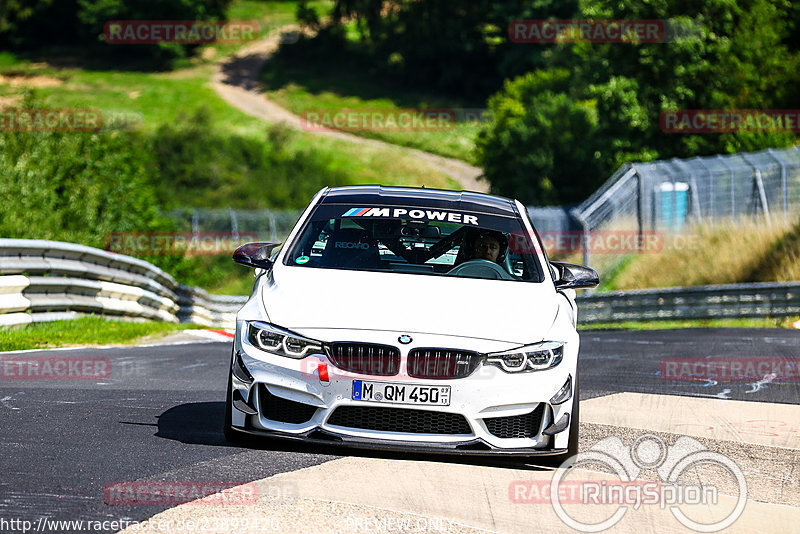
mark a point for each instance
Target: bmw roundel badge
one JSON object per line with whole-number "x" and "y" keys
{"x": 405, "y": 339}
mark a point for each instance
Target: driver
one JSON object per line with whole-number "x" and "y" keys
{"x": 487, "y": 245}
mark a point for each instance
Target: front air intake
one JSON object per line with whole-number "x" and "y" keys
{"x": 283, "y": 410}
{"x": 516, "y": 426}
{"x": 399, "y": 420}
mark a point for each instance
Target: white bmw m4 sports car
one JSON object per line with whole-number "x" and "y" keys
{"x": 410, "y": 319}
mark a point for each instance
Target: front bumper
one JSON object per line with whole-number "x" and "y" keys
{"x": 487, "y": 394}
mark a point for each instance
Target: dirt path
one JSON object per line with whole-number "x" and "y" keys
{"x": 236, "y": 80}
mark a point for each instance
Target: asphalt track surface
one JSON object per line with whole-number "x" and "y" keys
{"x": 157, "y": 417}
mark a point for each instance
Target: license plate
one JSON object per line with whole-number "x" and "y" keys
{"x": 391, "y": 393}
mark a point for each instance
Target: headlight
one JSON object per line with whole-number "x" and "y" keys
{"x": 274, "y": 340}
{"x": 528, "y": 358}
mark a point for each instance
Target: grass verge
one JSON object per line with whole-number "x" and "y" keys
{"x": 248, "y": 177}
{"x": 311, "y": 76}
{"x": 766, "y": 322}
{"x": 147, "y": 101}
{"x": 91, "y": 330}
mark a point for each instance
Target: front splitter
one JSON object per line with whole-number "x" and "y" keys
{"x": 473, "y": 447}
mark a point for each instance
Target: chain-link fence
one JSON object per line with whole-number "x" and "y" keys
{"x": 267, "y": 225}
{"x": 662, "y": 196}
{"x": 666, "y": 195}
{"x": 275, "y": 225}
{"x": 552, "y": 219}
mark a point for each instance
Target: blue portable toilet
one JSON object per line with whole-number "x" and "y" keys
{"x": 672, "y": 203}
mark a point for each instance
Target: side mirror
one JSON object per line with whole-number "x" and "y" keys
{"x": 574, "y": 276}
{"x": 255, "y": 255}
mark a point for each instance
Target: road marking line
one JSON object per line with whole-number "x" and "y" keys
{"x": 5, "y": 403}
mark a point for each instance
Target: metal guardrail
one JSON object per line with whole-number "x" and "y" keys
{"x": 769, "y": 299}
{"x": 51, "y": 280}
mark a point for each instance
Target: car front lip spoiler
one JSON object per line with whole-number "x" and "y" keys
{"x": 474, "y": 447}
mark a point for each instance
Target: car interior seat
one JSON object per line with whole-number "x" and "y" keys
{"x": 350, "y": 248}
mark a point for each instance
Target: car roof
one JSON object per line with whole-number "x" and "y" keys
{"x": 378, "y": 195}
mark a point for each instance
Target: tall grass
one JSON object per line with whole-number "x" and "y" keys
{"x": 738, "y": 251}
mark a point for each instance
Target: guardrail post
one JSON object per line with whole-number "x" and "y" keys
{"x": 700, "y": 162}
{"x": 784, "y": 186}
{"x": 195, "y": 226}
{"x": 733, "y": 185}
{"x": 639, "y": 201}
{"x": 234, "y": 225}
{"x": 273, "y": 223}
{"x": 762, "y": 196}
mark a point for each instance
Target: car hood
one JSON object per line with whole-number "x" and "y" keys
{"x": 301, "y": 298}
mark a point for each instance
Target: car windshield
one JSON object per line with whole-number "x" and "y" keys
{"x": 417, "y": 241}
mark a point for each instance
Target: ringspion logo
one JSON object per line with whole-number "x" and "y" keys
{"x": 688, "y": 474}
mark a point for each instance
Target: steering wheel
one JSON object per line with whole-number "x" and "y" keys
{"x": 480, "y": 269}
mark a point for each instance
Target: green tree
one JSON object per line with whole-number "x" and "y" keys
{"x": 728, "y": 56}
{"x": 32, "y": 24}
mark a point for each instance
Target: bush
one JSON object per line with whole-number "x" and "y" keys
{"x": 195, "y": 166}
{"x": 76, "y": 186}
{"x": 81, "y": 187}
